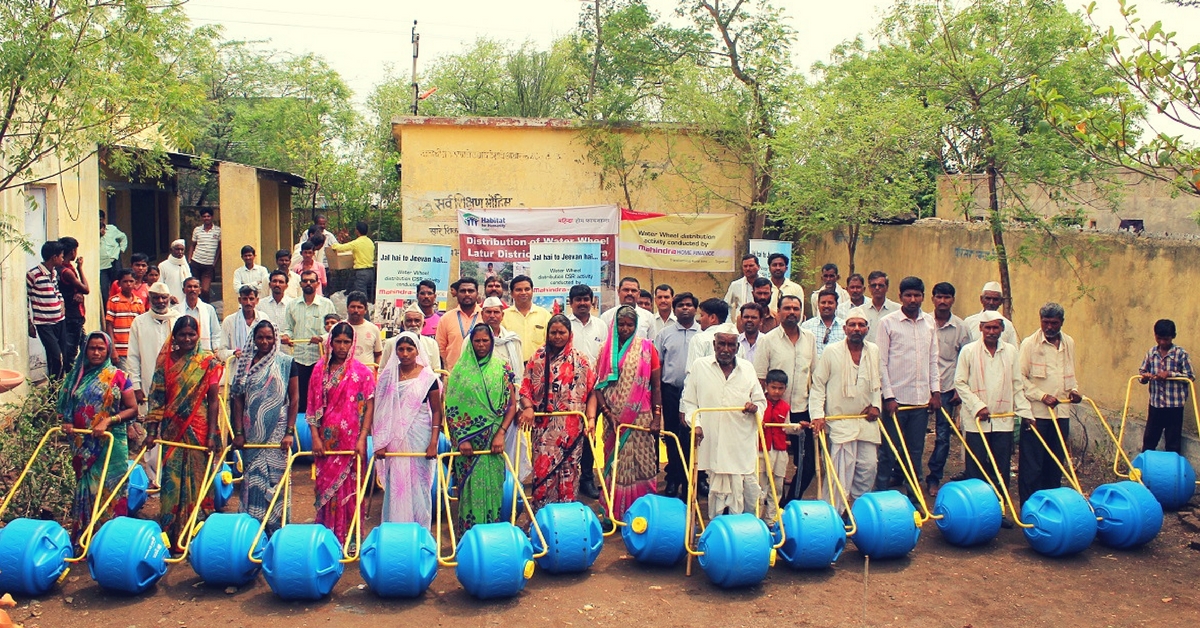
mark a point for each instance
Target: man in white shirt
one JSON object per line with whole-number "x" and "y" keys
{"x": 741, "y": 290}
{"x": 368, "y": 342}
{"x": 251, "y": 274}
{"x": 283, "y": 264}
{"x": 175, "y": 269}
{"x": 792, "y": 350}
{"x": 751, "y": 317}
{"x": 989, "y": 383}
{"x": 588, "y": 334}
{"x": 952, "y": 337}
{"x": 713, "y": 318}
{"x": 856, "y": 286}
{"x": 727, "y": 441}
{"x": 414, "y": 321}
{"x": 238, "y": 327}
{"x": 879, "y": 305}
{"x": 829, "y": 281}
{"x": 778, "y": 264}
{"x": 147, "y": 335}
{"x": 322, "y": 223}
{"x": 205, "y": 315}
{"x": 1046, "y": 362}
{"x": 627, "y": 294}
{"x": 847, "y": 382}
{"x": 664, "y": 296}
{"x": 908, "y": 368}
{"x": 274, "y": 306}
{"x": 991, "y": 298}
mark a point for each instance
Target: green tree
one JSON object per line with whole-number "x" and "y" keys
{"x": 977, "y": 63}
{"x": 76, "y": 75}
{"x": 494, "y": 78}
{"x": 853, "y": 152}
{"x": 1156, "y": 72}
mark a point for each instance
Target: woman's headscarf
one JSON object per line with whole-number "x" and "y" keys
{"x": 246, "y": 366}
{"x": 80, "y": 384}
{"x": 394, "y": 413}
{"x": 477, "y": 393}
{"x": 611, "y": 356}
{"x": 566, "y": 322}
{"x": 468, "y": 347}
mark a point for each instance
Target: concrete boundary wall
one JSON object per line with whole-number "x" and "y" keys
{"x": 1113, "y": 287}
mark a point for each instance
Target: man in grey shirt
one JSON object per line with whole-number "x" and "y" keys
{"x": 952, "y": 336}
{"x": 672, "y": 345}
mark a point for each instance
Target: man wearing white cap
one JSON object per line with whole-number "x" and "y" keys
{"x": 991, "y": 298}
{"x": 727, "y": 442}
{"x": 989, "y": 383}
{"x": 713, "y": 318}
{"x": 414, "y": 321}
{"x": 847, "y": 382}
{"x": 507, "y": 347}
{"x": 147, "y": 335}
{"x": 175, "y": 269}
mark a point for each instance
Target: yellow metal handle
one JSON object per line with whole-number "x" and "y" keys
{"x": 906, "y": 464}
{"x": 693, "y": 503}
{"x": 212, "y": 469}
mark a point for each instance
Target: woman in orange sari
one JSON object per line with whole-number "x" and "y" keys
{"x": 183, "y": 409}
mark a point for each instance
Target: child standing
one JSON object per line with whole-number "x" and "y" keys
{"x": 123, "y": 306}
{"x": 1164, "y": 361}
{"x": 777, "y": 411}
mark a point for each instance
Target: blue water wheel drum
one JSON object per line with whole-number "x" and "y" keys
{"x": 1063, "y": 522}
{"x": 301, "y": 562}
{"x": 33, "y": 556}
{"x": 1169, "y": 476}
{"x": 398, "y": 560}
{"x": 494, "y": 560}
{"x": 507, "y": 503}
{"x": 736, "y": 550}
{"x": 303, "y": 439}
{"x": 128, "y": 555}
{"x": 1129, "y": 514}
{"x": 970, "y": 512}
{"x": 138, "y": 488}
{"x": 223, "y": 486}
{"x": 887, "y": 526}
{"x": 220, "y": 552}
{"x": 573, "y": 534}
{"x": 654, "y": 530}
{"x": 815, "y": 535}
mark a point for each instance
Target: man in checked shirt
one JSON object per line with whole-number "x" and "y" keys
{"x": 1164, "y": 361}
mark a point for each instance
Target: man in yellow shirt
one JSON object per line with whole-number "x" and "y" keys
{"x": 524, "y": 318}
{"x": 363, "y": 249}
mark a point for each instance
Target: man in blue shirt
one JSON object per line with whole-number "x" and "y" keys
{"x": 672, "y": 345}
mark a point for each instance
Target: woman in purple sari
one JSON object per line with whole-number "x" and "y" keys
{"x": 341, "y": 404}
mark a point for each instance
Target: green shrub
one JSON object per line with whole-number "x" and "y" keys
{"x": 48, "y": 488}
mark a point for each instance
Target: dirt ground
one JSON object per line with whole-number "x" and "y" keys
{"x": 1003, "y": 583}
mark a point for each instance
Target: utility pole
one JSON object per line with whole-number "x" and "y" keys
{"x": 416, "y": 44}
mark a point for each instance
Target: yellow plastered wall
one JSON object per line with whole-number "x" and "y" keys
{"x": 545, "y": 163}
{"x": 73, "y": 202}
{"x": 1130, "y": 282}
{"x": 241, "y": 222}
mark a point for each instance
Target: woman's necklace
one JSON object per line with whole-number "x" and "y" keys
{"x": 410, "y": 373}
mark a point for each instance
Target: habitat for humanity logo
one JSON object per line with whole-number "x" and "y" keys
{"x": 483, "y": 222}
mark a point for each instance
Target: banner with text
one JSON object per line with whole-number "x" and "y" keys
{"x": 766, "y": 248}
{"x": 496, "y": 242}
{"x": 400, "y": 266}
{"x": 555, "y": 267}
{"x": 691, "y": 243}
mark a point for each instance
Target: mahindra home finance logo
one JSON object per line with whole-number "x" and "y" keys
{"x": 483, "y": 222}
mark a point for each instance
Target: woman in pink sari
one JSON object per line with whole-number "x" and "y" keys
{"x": 341, "y": 404}
{"x": 628, "y": 392}
{"x": 409, "y": 419}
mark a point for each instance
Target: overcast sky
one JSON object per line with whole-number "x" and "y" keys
{"x": 362, "y": 38}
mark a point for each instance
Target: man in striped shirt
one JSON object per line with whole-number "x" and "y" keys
{"x": 908, "y": 368}
{"x": 206, "y": 243}
{"x": 123, "y": 307}
{"x": 47, "y": 318}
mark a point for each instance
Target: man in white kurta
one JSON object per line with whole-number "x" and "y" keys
{"x": 727, "y": 441}
{"x": 147, "y": 335}
{"x": 847, "y": 382}
{"x": 988, "y": 380}
{"x": 991, "y": 298}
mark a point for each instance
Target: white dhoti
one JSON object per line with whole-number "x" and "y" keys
{"x": 855, "y": 463}
{"x": 777, "y": 471}
{"x": 732, "y": 491}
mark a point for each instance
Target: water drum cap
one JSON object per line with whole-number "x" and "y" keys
{"x": 226, "y": 478}
{"x": 529, "y": 567}
{"x": 639, "y": 525}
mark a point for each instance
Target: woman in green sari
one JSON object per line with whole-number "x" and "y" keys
{"x": 97, "y": 397}
{"x": 479, "y": 409}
